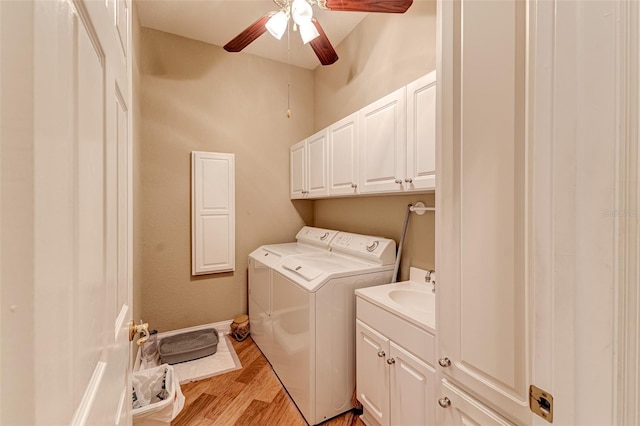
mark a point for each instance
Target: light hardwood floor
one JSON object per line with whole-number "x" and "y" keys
{"x": 252, "y": 395}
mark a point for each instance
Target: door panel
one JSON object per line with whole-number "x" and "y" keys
{"x": 412, "y": 388}
{"x": 82, "y": 233}
{"x": 383, "y": 144}
{"x": 372, "y": 372}
{"x": 485, "y": 330}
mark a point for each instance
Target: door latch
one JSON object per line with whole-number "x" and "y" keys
{"x": 541, "y": 403}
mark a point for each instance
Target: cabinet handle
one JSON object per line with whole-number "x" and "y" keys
{"x": 444, "y": 402}
{"x": 381, "y": 354}
{"x": 408, "y": 180}
{"x": 354, "y": 185}
{"x": 398, "y": 181}
{"x": 444, "y": 362}
{"x": 391, "y": 361}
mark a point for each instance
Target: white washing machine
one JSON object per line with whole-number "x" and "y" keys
{"x": 261, "y": 262}
{"x": 313, "y": 320}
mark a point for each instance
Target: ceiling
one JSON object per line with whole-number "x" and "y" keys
{"x": 218, "y": 21}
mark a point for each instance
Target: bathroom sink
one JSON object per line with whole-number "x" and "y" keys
{"x": 412, "y": 299}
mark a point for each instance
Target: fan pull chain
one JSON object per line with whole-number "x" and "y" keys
{"x": 288, "y": 73}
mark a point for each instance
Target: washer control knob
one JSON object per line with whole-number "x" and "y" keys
{"x": 371, "y": 247}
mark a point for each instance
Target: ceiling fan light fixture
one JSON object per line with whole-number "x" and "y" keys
{"x": 277, "y": 24}
{"x": 308, "y": 32}
{"x": 301, "y": 12}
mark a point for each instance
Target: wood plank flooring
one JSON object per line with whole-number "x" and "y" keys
{"x": 252, "y": 395}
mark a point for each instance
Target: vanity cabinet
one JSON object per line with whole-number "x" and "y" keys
{"x": 308, "y": 167}
{"x": 395, "y": 385}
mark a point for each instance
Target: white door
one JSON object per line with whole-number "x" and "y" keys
{"x": 421, "y": 133}
{"x": 79, "y": 220}
{"x": 484, "y": 327}
{"x": 298, "y": 170}
{"x": 383, "y": 144}
{"x": 412, "y": 389}
{"x": 372, "y": 372}
{"x": 343, "y": 156}
{"x": 317, "y": 164}
{"x": 461, "y": 409}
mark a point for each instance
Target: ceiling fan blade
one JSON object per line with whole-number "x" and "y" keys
{"x": 383, "y": 6}
{"x": 322, "y": 46}
{"x": 247, "y": 37}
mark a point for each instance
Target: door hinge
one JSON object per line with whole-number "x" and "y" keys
{"x": 541, "y": 403}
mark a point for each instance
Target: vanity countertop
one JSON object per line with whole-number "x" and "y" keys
{"x": 411, "y": 300}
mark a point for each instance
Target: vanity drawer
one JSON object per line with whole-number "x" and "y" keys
{"x": 419, "y": 342}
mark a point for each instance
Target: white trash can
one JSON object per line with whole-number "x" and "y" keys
{"x": 147, "y": 384}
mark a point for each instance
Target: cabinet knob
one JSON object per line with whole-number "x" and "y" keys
{"x": 408, "y": 180}
{"x": 354, "y": 185}
{"x": 444, "y": 362}
{"x": 381, "y": 354}
{"x": 444, "y": 402}
{"x": 398, "y": 181}
{"x": 391, "y": 361}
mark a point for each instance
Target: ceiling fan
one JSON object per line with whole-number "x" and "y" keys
{"x": 276, "y": 22}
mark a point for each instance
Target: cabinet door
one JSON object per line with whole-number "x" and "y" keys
{"x": 298, "y": 169}
{"x": 412, "y": 389}
{"x": 343, "y": 156}
{"x": 317, "y": 165}
{"x": 421, "y": 133}
{"x": 481, "y": 194}
{"x": 460, "y": 409}
{"x": 372, "y": 372}
{"x": 383, "y": 144}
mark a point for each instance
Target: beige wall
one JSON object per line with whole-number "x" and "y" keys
{"x": 196, "y": 96}
{"x": 384, "y": 53}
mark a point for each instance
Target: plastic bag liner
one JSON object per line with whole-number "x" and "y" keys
{"x": 157, "y": 396}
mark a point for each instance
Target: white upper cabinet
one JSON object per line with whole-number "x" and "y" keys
{"x": 382, "y": 144}
{"x": 308, "y": 167}
{"x": 484, "y": 329}
{"x": 343, "y": 156}
{"x": 317, "y": 164}
{"x": 421, "y": 133}
{"x": 386, "y": 147}
{"x": 298, "y": 169}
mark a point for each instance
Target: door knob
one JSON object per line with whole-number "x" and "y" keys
{"x": 391, "y": 361}
{"x": 444, "y": 402}
{"x": 354, "y": 185}
{"x": 143, "y": 329}
{"x": 398, "y": 181}
{"x": 444, "y": 362}
{"x": 408, "y": 180}
{"x": 381, "y": 354}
